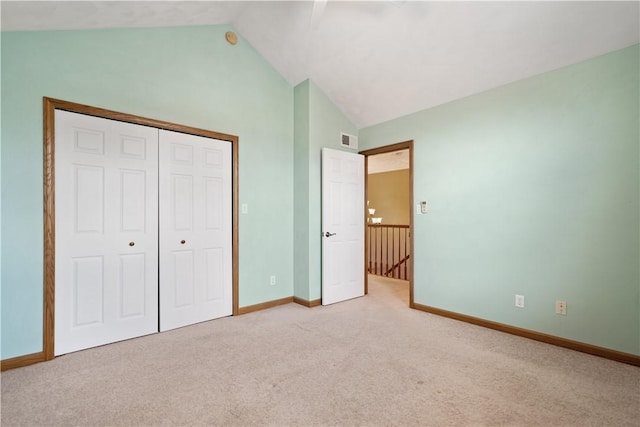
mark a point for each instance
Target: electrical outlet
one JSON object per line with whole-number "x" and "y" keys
{"x": 520, "y": 301}
{"x": 272, "y": 280}
{"x": 561, "y": 307}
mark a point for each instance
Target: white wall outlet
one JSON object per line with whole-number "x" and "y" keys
{"x": 520, "y": 301}
{"x": 272, "y": 280}
{"x": 561, "y": 307}
{"x": 244, "y": 208}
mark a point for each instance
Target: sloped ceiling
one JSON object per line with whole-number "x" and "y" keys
{"x": 378, "y": 60}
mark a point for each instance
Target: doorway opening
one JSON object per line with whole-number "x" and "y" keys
{"x": 389, "y": 218}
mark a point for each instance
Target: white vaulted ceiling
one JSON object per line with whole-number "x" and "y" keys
{"x": 378, "y": 60}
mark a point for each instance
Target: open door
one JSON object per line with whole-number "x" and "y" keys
{"x": 342, "y": 226}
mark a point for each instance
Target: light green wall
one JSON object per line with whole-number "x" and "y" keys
{"x": 186, "y": 75}
{"x": 324, "y": 124}
{"x": 533, "y": 189}
{"x": 301, "y": 191}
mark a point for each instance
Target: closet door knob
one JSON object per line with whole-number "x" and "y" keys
{"x": 131, "y": 243}
{"x": 183, "y": 242}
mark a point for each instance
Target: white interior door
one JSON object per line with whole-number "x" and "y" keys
{"x": 342, "y": 226}
{"x": 195, "y": 219}
{"x": 106, "y": 263}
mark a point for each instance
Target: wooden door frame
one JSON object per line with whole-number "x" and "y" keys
{"x": 406, "y": 145}
{"x": 49, "y": 107}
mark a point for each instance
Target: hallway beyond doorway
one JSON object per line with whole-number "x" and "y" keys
{"x": 393, "y": 293}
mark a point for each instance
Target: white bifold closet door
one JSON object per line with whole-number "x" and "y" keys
{"x": 106, "y": 215}
{"x": 196, "y": 234}
{"x": 132, "y": 202}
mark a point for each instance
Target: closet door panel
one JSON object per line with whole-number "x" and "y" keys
{"x": 214, "y": 254}
{"x": 183, "y": 280}
{"x": 133, "y": 194}
{"x": 88, "y": 290}
{"x": 195, "y": 229}
{"x": 214, "y": 263}
{"x": 106, "y": 204}
{"x": 181, "y": 201}
{"x": 132, "y": 285}
{"x": 88, "y": 199}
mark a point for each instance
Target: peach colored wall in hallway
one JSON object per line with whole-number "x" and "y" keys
{"x": 388, "y": 193}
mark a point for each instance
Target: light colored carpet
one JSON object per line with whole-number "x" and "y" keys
{"x": 368, "y": 361}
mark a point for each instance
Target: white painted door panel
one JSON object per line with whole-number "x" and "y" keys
{"x": 195, "y": 219}
{"x": 343, "y": 220}
{"x": 106, "y": 248}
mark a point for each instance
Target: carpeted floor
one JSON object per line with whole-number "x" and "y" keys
{"x": 368, "y": 361}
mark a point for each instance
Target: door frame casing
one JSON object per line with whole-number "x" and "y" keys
{"x": 49, "y": 107}
{"x": 379, "y": 150}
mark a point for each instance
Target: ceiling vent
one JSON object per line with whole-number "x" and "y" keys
{"x": 349, "y": 141}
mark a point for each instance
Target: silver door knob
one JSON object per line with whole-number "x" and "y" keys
{"x": 327, "y": 234}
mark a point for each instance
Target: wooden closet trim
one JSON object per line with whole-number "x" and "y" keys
{"x": 49, "y": 107}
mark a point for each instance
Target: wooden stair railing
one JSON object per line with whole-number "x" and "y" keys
{"x": 397, "y": 264}
{"x": 388, "y": 250}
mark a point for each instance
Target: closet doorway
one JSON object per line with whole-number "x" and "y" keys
{"x": 131, "y": 186}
